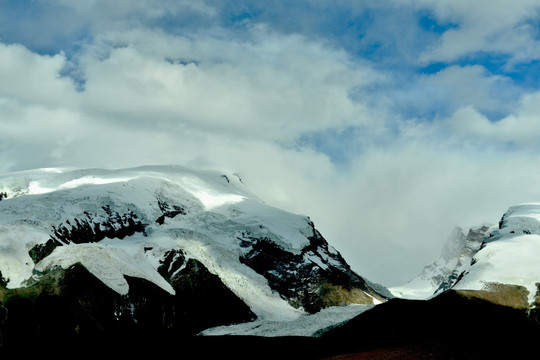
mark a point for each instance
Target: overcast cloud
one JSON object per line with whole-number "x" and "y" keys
{"x": 387, "y": 124}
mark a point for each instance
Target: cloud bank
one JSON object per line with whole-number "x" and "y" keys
{"x": 387, "y": 124}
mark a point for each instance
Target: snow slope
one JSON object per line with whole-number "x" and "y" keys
{"x": 305, "y": 325}
{"x": 123, "y": 222}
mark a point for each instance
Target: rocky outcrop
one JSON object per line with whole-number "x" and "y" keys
{"x": 91, "y": 228}
{"x": 314, "y": 279}
{"x": 465, "y": 257}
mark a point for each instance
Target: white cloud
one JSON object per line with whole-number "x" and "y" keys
{"x": 269, "y": 88}
{"x": 520, "y": 129}
{"x": 33, "y": 78}
{"x": 439, "y": 94}
{"x": 474, "y": 85}
{"x": 272, "y": 87}
{"x": 496, "y": 26}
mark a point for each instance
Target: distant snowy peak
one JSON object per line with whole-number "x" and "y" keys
{"x": 444, "y": 272}
{"x": 470, "y": 245}
{"x": 152, "y": 222}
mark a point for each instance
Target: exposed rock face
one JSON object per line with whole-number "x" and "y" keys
{"x": 313, "y": 279}
{"x": 534, "y": 312}
{"x": 91, "y": 228}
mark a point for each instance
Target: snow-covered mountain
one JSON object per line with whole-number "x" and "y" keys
{"x": 506, "y": 269}
{"x": 158, "y": 247}
{"x": 498, "y": 263}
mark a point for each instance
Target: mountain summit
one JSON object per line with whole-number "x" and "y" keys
{"x": 160, "y": 249}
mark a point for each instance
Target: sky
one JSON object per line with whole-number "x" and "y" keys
{"x": 388, "y": 122}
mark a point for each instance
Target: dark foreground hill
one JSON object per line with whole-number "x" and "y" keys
{"x": 449, "y": 326}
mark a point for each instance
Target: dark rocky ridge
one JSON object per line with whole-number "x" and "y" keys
{"x": 301, "y": 280}
{"x": 167, "y": 212}
{"x": 90, "y": 229}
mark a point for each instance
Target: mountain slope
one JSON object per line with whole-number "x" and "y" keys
{"x": 180, "y": 239}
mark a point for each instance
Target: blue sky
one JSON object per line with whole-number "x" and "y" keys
{"x": 387, "y": 122}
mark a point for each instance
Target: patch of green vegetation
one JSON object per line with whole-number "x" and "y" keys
{"x": 48, "y": 284}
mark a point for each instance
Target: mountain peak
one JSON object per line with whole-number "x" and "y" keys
{"x": 445, "y": 271}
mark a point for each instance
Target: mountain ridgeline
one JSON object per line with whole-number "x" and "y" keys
{"x": 166, "y": 257}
